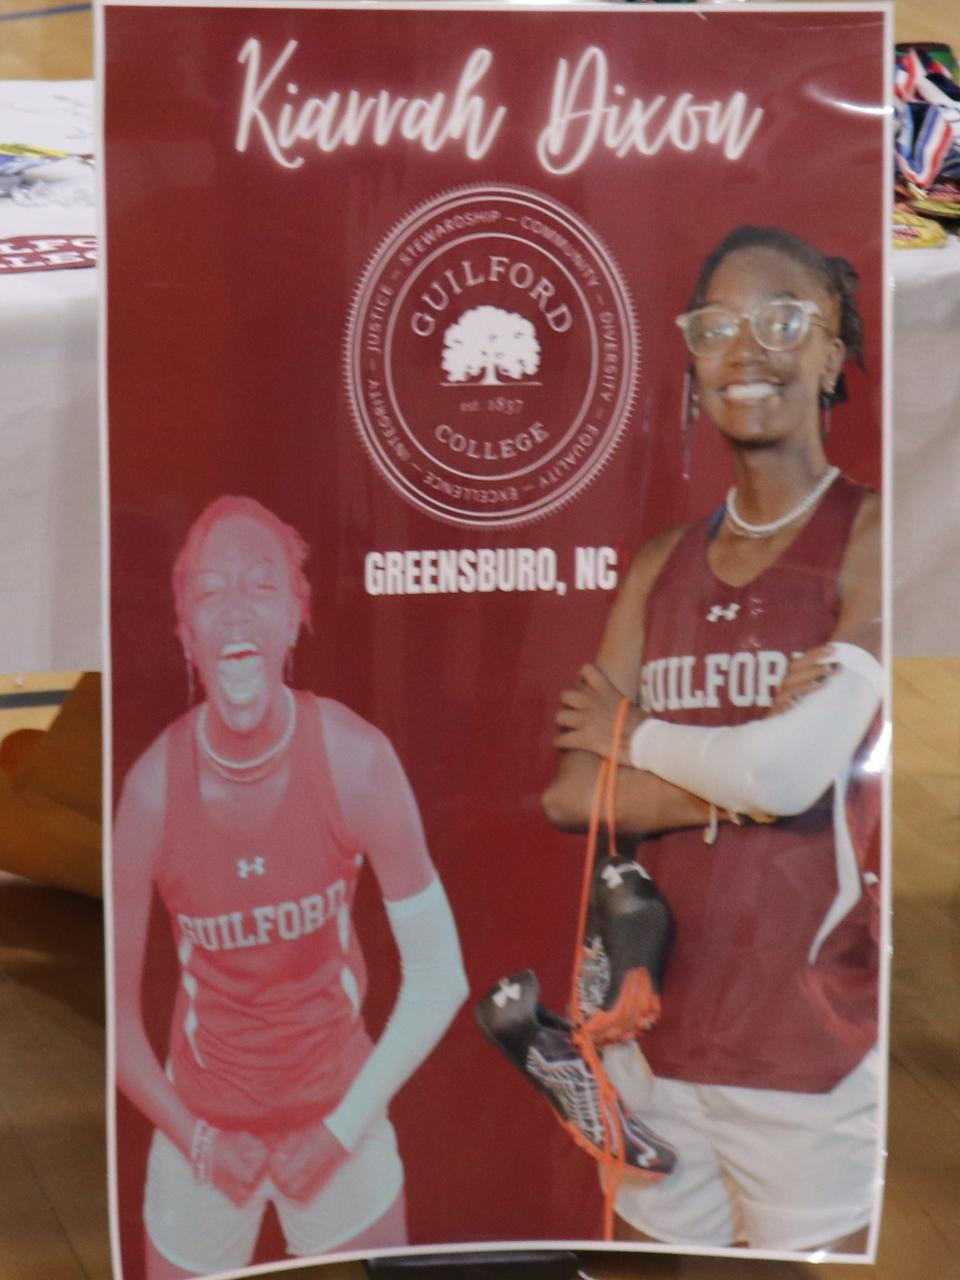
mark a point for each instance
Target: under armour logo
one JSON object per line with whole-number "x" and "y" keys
{"x": 612, "y": 875}
{"x": 727, "y": 612}
{"x": 507, "y": 990}
{"x": 256, "y": 867}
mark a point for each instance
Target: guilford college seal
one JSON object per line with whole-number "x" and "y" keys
{"x": 491, "y": 356}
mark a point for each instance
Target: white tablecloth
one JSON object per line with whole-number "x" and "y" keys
{"x": 49, "y": 481}
{"x": 926, "y": 451}
{"x": 49, "y": 484}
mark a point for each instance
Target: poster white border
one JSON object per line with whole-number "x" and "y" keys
{"x": 718, "y": 10}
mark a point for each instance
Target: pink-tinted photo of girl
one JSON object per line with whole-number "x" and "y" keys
{"x": 251, "y": 816}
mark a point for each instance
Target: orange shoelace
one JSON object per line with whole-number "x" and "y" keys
{"x": 611, "y": 1156}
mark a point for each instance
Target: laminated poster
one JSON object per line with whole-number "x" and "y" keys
{"x": 494, "y": 403}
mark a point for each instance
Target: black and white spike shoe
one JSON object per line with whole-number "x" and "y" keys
{"x": 629, "y": 933}
{"x": 542, "y": 1047}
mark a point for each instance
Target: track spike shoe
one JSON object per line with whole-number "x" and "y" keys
{"x": 621, "y": 971}
{"x": 542, "y": 1047}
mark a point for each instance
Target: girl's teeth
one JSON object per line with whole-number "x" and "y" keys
{"x": 751, "y": 391}
{"x": 238, "y": 649}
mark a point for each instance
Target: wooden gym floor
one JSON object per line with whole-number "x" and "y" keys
{"x": 53, "y": 1210}
{"x": 52, "y": 1164}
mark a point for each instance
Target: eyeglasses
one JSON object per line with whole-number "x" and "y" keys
{"x": 778, "y": 325}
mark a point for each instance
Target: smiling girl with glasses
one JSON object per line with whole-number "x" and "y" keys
{"x": 747, "y": 644}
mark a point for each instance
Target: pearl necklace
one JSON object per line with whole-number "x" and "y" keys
{"x": 248, "y": 770}
{"x": 744, "y": 529}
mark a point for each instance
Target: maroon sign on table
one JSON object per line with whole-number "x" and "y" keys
{"x": 47, "y": 253}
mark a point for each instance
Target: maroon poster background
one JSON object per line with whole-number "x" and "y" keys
{"x": 230, "y": 280}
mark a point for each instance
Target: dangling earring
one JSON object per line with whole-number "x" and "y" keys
{"x": 826, "y": 404}
{"x": 191, "y": 683}
{"x": 288, "y": 661}
{"x": 689, "y": 412}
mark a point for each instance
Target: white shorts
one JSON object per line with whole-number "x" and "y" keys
{"x": 781, "y": 1171}
{"x": 199, "y": 1229}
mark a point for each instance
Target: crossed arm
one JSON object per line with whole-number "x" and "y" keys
{"x": 645, "y": 804}
{"x": 780, "y": 764}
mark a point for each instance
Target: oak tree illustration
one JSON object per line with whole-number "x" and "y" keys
{"x": 491, "y": 341}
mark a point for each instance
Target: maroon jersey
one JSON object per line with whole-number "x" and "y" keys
{"x": 266, "y": 1034}
{"x": 772, "y": 979}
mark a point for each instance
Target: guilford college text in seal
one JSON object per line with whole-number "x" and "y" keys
{"x": 491, "y": 356}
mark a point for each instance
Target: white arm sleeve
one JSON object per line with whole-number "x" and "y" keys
{"x": 779, "y": 765}
{"x": 433, "y": 987}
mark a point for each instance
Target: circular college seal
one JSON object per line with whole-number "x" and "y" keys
{"x": 491, "y": 356}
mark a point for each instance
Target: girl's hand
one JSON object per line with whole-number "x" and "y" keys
{"x": 238, "y": 1163}
{"x": 301, "y": 1162}
{"x": 804, "y": 676}
{"x": 588, "y": 714}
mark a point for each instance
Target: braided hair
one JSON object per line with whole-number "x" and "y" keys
{"x": 837, "y": 276}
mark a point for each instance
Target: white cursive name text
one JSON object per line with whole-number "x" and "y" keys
{"x": 282, "y": 120}
{"x": 585, "y": 112}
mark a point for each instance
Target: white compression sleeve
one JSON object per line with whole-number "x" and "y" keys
{"x": 433, "y": 987}
{"x": 781, "y": 764}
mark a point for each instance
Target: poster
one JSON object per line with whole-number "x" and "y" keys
{"x": 414, "y": 474}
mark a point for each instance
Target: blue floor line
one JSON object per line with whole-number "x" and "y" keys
{"x": 45, "y": 13}
{"x": 36, "y": 698}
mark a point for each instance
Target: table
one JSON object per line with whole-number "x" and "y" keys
{"x": 49, "y": 457}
